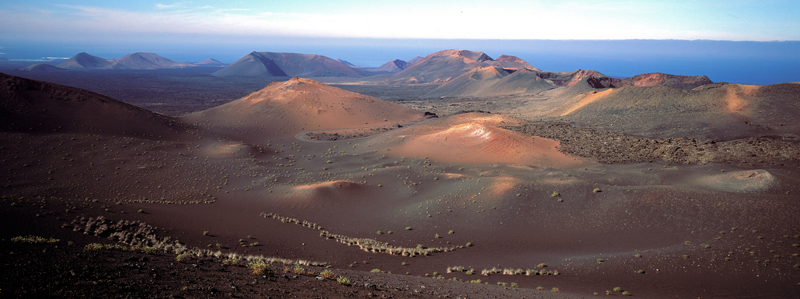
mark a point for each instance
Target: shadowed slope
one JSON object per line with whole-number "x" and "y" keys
{"x": 253, "y": 64}
{"x": 46, "y": 107}
{"x": 297, "y": 105}
{"x": 287, "y": 64}
{"x": 393, "y": 66}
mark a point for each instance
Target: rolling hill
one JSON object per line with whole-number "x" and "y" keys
{"x": 134, "y": 61}
{"x": 297, "y": 105}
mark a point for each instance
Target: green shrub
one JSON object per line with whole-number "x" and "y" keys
{"x": 260, "y": 268}
{"x": 343, "y": 280}
{"x": 327, "y": 274}
{"x": 93, "y": 247}
{"x": 184, "y": 257}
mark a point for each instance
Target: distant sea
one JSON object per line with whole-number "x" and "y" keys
{"x": 722, "y": 61}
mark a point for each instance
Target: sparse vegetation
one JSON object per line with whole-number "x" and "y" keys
{"x": 343, "y": 280}
{"x": 260, "y": 268}
{"x": 184, "y": 257}
{"x": 34, "y": 240}
{"x": 327, "y": 274}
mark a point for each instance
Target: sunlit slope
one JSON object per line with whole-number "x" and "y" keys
{"x": 298, "y": 105}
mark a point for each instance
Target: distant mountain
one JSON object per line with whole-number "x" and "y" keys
{"x": 393, "y": 66}
{"x": 443, "y": 66}
{"x": 135, "y": 61}
{"x": 85, "y": 61}
{"x": 512, "y": 80}
{"x": 287, "y": 64}
{"x": 146, "y": 61}
{"x": 414, "y": 60}
{"x": 210, "y": 62}
{"x": 42, "y": 67}
{"x": 253, "y": 64}
{"x": 507, "y": 61}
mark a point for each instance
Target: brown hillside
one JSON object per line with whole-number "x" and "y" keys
{"x": 298, "y": 105}
{"x": 713, "y": 111}
{"x": 29, "y": 105}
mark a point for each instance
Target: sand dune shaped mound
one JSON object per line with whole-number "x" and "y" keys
{"x": 473, "y": 138}
{"x": 36, "y": 106}
{"x": 299, "y": 105}
{"x": 319, "y": 194}
{"x": 232, "y": 149}
{"x": 756, "y": 180}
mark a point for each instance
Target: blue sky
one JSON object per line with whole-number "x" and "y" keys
{"x": 738, "y": 20}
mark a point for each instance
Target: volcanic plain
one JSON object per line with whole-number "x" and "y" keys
{"x": 457, "y": 176}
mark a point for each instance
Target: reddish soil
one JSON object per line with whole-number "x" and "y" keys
{"x": 719, "y": 228}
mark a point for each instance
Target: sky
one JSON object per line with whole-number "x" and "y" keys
{"x": 372, "y": 32}
{"x": 738, "y": 20}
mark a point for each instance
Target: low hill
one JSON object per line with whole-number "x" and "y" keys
{"x": 473, "y": 138}
{"x": 287, "y": 64}
{"x": 146, "y": 61}
{"x": 85, "y": 61}
{"x": 210, "y": 62}
{"x": 134, "y": 61}
{"x": 36, "y": 106}
{"x": 298, "y": 105}
{"x": 393, "y": 66}
{"x": 253, "y": 64}
{"x": 42, "y": 67}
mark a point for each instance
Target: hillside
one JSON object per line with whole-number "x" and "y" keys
{"x": 288, "y": 108}
{"x": 36, "y": 106}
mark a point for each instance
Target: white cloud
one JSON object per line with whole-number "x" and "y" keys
{"x": 536, "y": 21}
{"x": 167, "y": 6}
